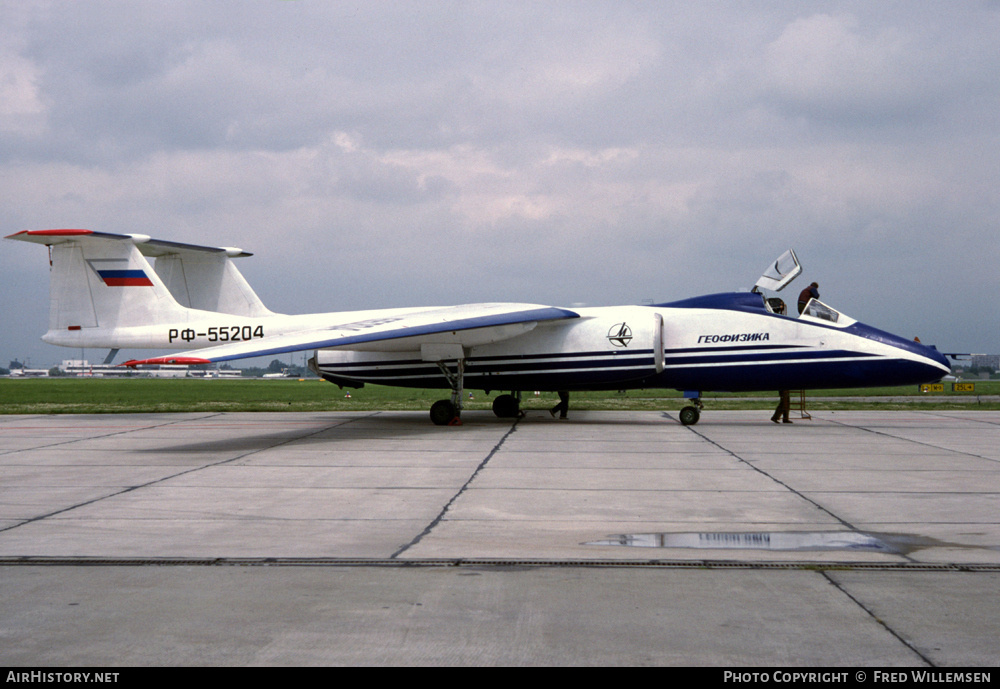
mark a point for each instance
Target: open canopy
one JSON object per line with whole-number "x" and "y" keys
{"x": 780, "y": 273}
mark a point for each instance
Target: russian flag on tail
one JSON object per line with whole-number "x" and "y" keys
{"x": 116, "y": 273}
{"x": 125, "y": 278}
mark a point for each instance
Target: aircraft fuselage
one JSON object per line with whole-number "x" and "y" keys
{"x": 727, "y": 342}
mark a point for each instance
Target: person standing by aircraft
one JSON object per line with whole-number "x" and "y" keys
{"x": 563, "y": 405}
{"x": 784, "y": 396}
{"x": 781, "y": 411}
{"x": 810, "y": 292}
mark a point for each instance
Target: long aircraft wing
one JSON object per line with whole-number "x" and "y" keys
{"x": 407, "y": 330}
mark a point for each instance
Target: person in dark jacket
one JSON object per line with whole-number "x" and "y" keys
{"x": 810, "y": 292}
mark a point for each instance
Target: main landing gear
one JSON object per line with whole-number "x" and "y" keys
{"x": 449, "y": 412}
{"x": 508, "y": 406}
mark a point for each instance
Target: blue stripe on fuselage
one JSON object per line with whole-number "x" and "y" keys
{"x": 745, "y": 358}
{"x": 494, "y": 365}
{"x": 778, "y": 367}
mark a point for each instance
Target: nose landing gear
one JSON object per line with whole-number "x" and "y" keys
{"x": 690, "y": 414}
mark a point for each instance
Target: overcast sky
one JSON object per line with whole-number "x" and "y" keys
{"x": 380, "y": 154}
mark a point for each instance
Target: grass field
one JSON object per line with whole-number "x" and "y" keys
{"x": 144, "y": 395}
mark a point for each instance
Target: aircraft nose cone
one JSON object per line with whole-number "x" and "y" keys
{"x": 918, "y": 363}
{"x": 939, "y": 359}
{"x": 935, "y": 363}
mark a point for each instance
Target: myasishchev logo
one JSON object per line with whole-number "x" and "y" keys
{"x": 620, "y": 335}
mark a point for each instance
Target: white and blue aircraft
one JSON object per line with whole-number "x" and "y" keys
{"x": 104, "y": 293}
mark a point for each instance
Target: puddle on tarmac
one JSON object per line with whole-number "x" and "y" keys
{"x": 775, "y": 540}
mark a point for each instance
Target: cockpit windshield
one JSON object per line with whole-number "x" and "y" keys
{"x": 817, "y": 310}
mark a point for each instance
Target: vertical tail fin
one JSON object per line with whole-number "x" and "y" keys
{"x": 104, "y": 293}
{"x": 100, "y": 284}
{"x": 207, "y": 279}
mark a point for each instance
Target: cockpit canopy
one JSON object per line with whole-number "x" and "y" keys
{"x": 815, "y": 310}
{"x": 778, "y": 276}
{"x": 780, "y": 273}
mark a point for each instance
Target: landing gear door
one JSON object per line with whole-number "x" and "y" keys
{"x": 777, "y": 276}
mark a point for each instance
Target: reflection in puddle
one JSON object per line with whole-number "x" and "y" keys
{"x": 764, "y": 540}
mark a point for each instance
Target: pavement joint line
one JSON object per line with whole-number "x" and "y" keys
{"x": 821, "y": 567}
{"x": 910, "y": 440}
{"x": 444, "y": 510}
{"x": 129, "y": 489}
{"x": 784, "y": 485}
{"x": 944, "y": 415}
{"x": 70, "y": 441}
{"x": 878, "y": 620}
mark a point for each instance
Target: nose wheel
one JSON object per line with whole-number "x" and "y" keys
{"x": 690, "y": 415}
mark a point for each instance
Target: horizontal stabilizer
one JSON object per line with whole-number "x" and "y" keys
{"x": 147, "y": 246}
{"x": 197, "y": 277}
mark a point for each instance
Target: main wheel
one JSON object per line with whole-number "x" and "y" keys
{"x": 690, "y": 416}
{"x": 442, "y": 412}
{"x": 506, "y": 406}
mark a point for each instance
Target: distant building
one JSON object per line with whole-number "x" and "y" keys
{"x": 985, "y": 361}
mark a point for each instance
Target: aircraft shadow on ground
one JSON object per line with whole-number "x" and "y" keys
{"x": 398, "y": 425}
